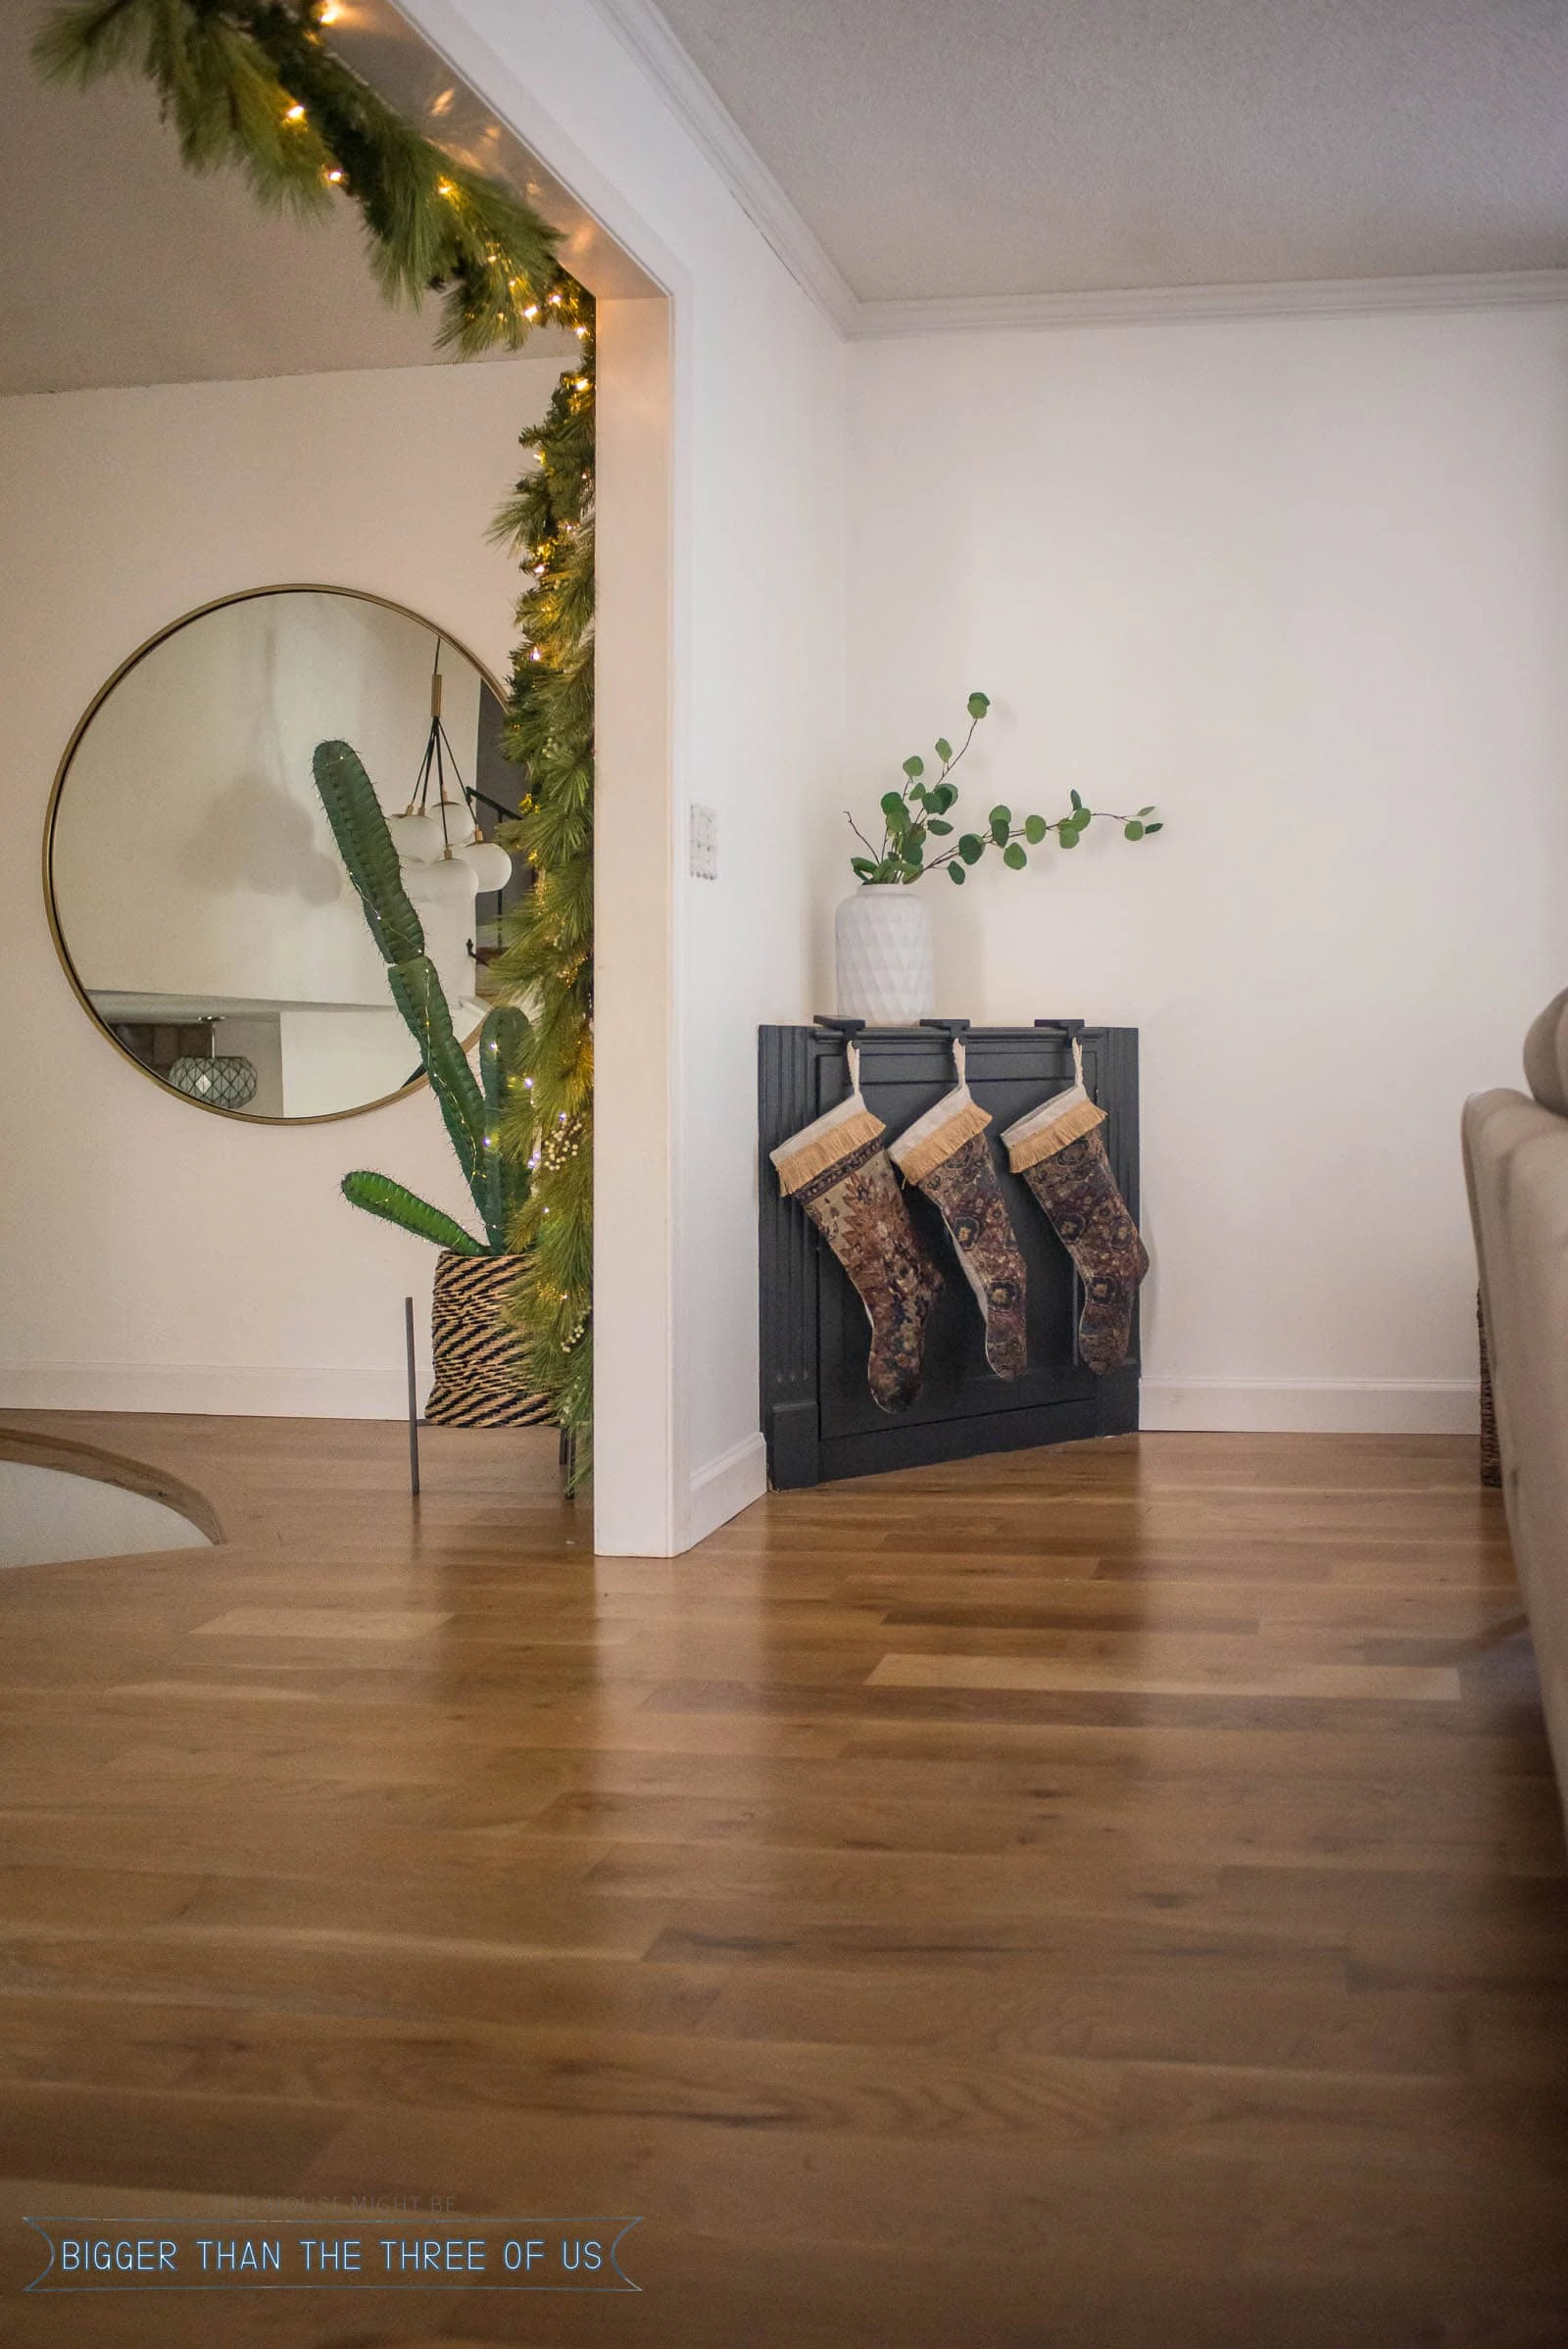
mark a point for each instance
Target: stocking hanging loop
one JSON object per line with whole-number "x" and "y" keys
{"x": 1077, "y": 1062}
{"x": 961, "y": 1059}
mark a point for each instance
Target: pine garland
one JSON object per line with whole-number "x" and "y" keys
{"x": 251, "y": 83}
{"x": 547, "y": 962}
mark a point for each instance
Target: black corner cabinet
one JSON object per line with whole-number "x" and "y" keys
{"x": 817, "y": 1413}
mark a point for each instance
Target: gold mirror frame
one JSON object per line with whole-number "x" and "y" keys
{"x": 248, "y": 594}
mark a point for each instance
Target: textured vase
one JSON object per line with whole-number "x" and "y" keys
{"x": 479, "y": 1380}
{"x": 882, "y": 935}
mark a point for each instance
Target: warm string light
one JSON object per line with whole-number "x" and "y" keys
{"x": 295, "y": 114}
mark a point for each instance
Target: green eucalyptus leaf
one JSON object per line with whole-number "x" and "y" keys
{"x": 971, "y": 848}
{"x": 1150, "y": 829}
{"x": 1145, "y": 810}
{"x": 893, "y": 805}
{"x": 943, "y": 749}
{"x": 1082, "y": 819}
{"x": 863, "y": 867}
{"x": 1035, "y": 829}
{"x": 956, "y": 872}
{"x": 977, "y": 706}
{"x": 1067, "y": 836}
{"x": 936, "y": 824}
{"x": 1133, "y": 830}
{"x": 914, "y": 767}
{"x": 1012, "y": 854}
{"x": 944, "y": 796}
{"x": 1076, "y": 801}
{"x": 1001, "y": 826}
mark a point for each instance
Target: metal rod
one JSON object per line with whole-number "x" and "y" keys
{"x": 414, "y": 1399}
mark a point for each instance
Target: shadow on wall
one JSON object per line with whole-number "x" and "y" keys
{"x": 254, "y": 836}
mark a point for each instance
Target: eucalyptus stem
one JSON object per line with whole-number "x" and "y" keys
{"x": 919, "y": 811}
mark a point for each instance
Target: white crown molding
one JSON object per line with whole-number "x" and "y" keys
{"x": 1317, "y": 298}
{"x": 642, "y": 30}
{"x": 645, "y": 32}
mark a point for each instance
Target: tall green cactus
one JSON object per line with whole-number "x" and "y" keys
{"x": 498, "y": 1184}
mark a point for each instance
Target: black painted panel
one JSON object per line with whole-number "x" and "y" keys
{"x": 817, "y": 1411}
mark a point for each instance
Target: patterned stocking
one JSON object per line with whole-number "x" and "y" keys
{"x": 839, "y": 1171}
{"x": 1060, "y": 1154}
{"x": 944, "y": 1153}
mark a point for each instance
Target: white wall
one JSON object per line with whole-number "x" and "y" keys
{"x": 1305, "y": 584}
{"x": 156, "y": 1257}
{"x": 754, "y": 629}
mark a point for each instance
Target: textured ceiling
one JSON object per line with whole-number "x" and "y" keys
{"x": 950, "y": 147}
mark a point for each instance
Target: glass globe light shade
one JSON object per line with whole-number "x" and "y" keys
{"x": 448, "y": 881}
{"x": 457, "y": 818}
{"x": 489, "y": 862}
{"x": 418, "y": 839}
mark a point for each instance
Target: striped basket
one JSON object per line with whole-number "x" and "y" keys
{"x": 478, "y": 1355}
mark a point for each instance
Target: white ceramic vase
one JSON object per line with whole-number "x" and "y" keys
{"x": 882, "y": 935}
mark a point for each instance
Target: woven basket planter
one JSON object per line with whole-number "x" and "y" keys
{"x": 479, "y": 1356}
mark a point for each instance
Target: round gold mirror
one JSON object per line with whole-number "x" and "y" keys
{"x": 196, "y": 895}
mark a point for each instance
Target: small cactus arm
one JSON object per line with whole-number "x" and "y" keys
{"x": 378, "y": 1194}
{"x": 503, "y": 1041}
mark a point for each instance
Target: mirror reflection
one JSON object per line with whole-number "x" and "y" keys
{"x": 195, "y": 889}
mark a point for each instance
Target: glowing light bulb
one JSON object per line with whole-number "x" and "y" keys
{"x": 532, "y": 311}
{"x": 295, "y": 114}
{"x": 328, "y": 13}
{"x": 579, "y": 331}
{"x": 444, "y": 187}
{"x": 555, "y": 297}
{"x": 582, "y": 383}
{"x": 535, "y": 654}
{"x": 335, "y": 177}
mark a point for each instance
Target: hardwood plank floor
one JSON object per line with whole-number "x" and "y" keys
{"x": 1090, "y": 1899}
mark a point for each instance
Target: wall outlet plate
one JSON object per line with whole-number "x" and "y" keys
{"x": 703, "y": 850}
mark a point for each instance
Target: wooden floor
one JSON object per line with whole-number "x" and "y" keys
{"x": 1109, "y": 1898}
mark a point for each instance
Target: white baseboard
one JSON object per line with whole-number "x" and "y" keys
{"x": 1314, "y": 1406}
{"x": 231, "y": 1391}
{"x": 725, "y": 1487}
